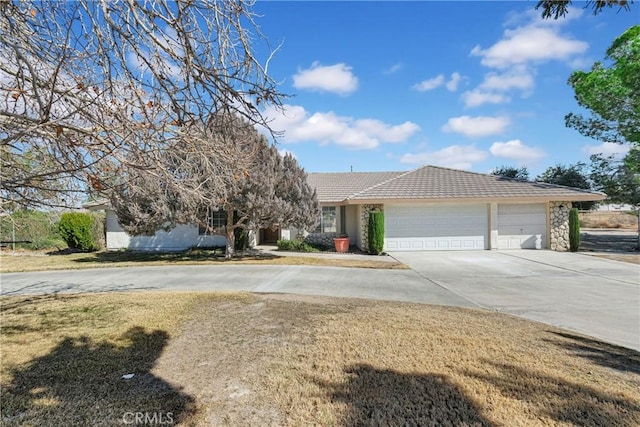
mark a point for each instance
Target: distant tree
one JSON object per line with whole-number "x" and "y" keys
{"x": 512, "y": 172}
{"x": 87, "y": 82}
{"x": 611, "y": 93}
{"x": 559, "y": 8}
{"x": 619, "y": 179}
{"x": 570, "y": 176}
{"x": 227, "y": 166}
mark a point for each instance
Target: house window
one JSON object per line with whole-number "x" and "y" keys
{"x": 327, "y": 220}
{"x": 216, "y": 223}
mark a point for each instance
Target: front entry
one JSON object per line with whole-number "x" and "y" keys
{"x": 269, "y": 236}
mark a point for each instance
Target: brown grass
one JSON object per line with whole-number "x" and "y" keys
{"x": 26, "y": 261}
{"x": 622, "y": 220}
{"x": 63, "y": 358}
{"x": 243, "y": 359}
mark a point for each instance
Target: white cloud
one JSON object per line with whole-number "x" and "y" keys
{"x": 492, "y": 89}
{"x": 607, "y": 149}
{"x": 451, "y": 84}
{"x": 454, "y": 81}
{"x": 516, "y": 150}
{"x": 477, "y": 126}
{"x": 477, "y": 97}
{"x": 516, "y": 78}
{"x": 385, "y": 132}
{"x": 429, "y": 84}
{"x": 393, "y": 69}
{"x": 454, "y": 156}
{"x": 299, "y": 125}
{"x": 532, "y": 43}
{"x": 337, "y": 78}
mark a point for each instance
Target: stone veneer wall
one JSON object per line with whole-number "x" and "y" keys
{"x": 559, "y": 225}
{"x": 364, "y": 224}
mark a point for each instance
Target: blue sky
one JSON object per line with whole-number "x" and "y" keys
{"x": 395, "y": 85}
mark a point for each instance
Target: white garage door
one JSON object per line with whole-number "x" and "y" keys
{"x": 522, "y": 226}
{"x": 435, "y": 227}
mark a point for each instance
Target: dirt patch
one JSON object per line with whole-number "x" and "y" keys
{"x": 631, "y": 258}
{"x": 227, "y": 347}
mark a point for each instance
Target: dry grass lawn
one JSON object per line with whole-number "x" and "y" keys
{"x": 242, "y": 359}
{"x": 26, "y": 261}
{"x": 622, "y": 220}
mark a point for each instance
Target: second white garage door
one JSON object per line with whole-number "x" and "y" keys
{"x": 522, "y": 226}
{"x": 435, "y": 227}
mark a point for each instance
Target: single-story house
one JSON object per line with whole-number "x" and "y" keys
{"x": 428, "y": 208}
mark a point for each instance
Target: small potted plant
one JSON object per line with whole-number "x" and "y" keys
{"x": 341, "y": 243}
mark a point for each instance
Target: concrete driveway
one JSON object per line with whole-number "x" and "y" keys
{"x": 391, "y": 285}
{"x": 597, "y": 297}
{"x": 593, "y": 296}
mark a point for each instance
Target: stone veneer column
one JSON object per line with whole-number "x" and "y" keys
{"x": 559, "y": 226}
{"x": 364, "y": 224}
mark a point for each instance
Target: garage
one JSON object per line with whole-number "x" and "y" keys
{"x": 522, "y": 226}
{"x": 436, "y": 227}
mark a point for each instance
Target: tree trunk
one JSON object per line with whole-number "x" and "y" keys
{"x": 231, "y": 238}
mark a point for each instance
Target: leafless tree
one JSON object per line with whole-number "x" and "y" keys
{"x": 94, "y": 86}
{"x": 223, "y": 165}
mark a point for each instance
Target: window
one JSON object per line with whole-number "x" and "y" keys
{"x": 327, "y": 220}
{"x": 216, "y": 223}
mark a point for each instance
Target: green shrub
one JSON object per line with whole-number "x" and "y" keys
{"x": 76, "y": 228}
{"x": 295, "y": 246}
{"x": 376, "y": 232}
{"x": 574, "y": 230}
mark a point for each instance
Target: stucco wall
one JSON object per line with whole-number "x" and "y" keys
{"x": 182, "y": 237}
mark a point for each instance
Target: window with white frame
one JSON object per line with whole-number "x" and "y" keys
{"x": 216, "y": 223}
{"x": 328, "y": 220}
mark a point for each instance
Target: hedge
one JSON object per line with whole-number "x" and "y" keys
{"x": 77, "y": 229}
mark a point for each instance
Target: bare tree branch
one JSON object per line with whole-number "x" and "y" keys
{"x": 89, "y": 85}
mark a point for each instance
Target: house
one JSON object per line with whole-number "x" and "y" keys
{"x": 182, "y": 237}
{"x": 428, "y": 208}
{"x": 436, "y": 208}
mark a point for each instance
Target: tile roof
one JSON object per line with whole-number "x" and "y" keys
{"x": 336, "y": 187}
{"x": 436, "y": 183}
